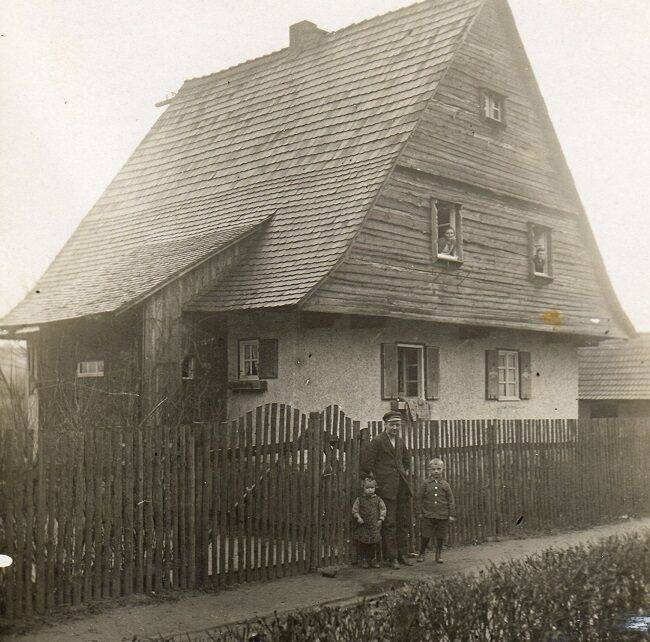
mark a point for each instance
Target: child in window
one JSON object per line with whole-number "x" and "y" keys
{"x": 436, "y": 507}
{"x": 369, "y": 512}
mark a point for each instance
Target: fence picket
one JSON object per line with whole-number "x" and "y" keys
{"x": 110, "y": 512}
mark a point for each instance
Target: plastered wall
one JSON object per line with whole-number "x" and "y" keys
{"x": 320, "y": 366}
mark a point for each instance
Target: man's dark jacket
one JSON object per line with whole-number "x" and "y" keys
{"x": 387, "y": 464}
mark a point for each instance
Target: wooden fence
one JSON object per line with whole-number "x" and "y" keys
{"x": 109, "y": 512}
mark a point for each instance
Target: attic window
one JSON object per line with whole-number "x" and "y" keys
{"x": 446, "y": 231}
{"x": 493, "y": 106}
{"x": 540, "y": 249}
{"x": 188, "y": 368}
{"x": 90, "y": 369}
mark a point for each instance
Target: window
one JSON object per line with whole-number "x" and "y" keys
{"x": 90, "y": 369}
{"x": 249, "y": 358}
{"x": 540, "y": 252}
{"x": 493, "y": 106}
{"x": 188, "y": 368}
{"x": 410, "y": 371}
{"x": 446, "y": 231}
{"x": 508, "y": 375}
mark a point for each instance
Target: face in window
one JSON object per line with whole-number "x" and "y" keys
{"x": 539, "y": 259}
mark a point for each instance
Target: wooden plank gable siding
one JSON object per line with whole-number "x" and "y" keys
{"x": 390, "y": 269}
{"x": 504, "y": 178}
{"x": 453, "y": 139}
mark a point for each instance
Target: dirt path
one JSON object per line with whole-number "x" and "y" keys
{"x": 194, "y": 612}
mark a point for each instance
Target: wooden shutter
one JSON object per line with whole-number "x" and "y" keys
{"x": 432, "y": 372}
{"x": 525, "y": 382}
{"x": 433, "y": 219}
{"x": 268, "y": 365}
{"x": 388, "y": 371}
{"x": 492, "y": 375}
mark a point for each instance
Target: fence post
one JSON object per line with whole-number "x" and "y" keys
{"x": 314, "y": 431}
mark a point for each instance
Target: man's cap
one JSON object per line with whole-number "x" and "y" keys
{"x": 392, "y": 414}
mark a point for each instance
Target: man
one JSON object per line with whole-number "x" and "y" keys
{"x": 386, "y": 458}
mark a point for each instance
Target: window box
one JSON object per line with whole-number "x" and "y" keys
{"x": 258, "y": 385}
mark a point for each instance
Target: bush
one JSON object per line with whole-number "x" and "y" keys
{"x": 574, "y": 594}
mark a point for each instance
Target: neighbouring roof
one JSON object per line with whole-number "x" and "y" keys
{"x": 616, "y": 370}
{"x": 306, "y": 135}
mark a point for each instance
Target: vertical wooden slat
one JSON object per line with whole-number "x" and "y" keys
{"x": 181, "y": 468}
{"x": 107, "y": 522}
{"x": 223, "y": 443}
{"x": 191, "y": 517}
{"x": 240, "y": 498}
{"x": 129, "y": 510}
{"x": 168, "y": 483}
{"x": 29, "y": 523}
{"x": 139, "y": 509}
{"x": 157, "y": 499}
{"x": 258, "y": 495}
{"x": 249, "y": 487}
{"x": 118, "y": 502}
{"x": 205, "y": 480}
{"x": 305, "y": 498}
{"x": 273, "y": 494}
{"x": 39, "y": 535}
{"x": 79, "y": 522}
{"x": 149, "y": 541}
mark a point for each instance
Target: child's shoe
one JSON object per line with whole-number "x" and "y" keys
{"x": 420, "y": 558}
{"x": 375, "y": 564}
{"x": 365, "y": 564}
{"x": 438, "y": 560}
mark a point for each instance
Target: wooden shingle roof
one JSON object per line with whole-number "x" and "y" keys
{"x": 616, "y": 370}
{"x": 305, "y": 135}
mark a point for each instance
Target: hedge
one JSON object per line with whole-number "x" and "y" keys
{"x": 582, "y": 593}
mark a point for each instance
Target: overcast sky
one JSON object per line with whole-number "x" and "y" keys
{"x": 79, "y": 81}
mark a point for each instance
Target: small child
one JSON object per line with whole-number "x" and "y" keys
{"x": 436, "y": 507}
{"x": 369, "y": 511}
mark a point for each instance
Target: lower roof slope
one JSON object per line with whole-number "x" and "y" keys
{"x": 615, "y": 370}
{"x": 307, "y": 135}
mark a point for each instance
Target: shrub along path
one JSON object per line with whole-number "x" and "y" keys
{"x": 149, "y": 618}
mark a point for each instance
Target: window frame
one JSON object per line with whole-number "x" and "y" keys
{"x": 242, "y": 343}
{"x": 421, "y": 348}
{"x": 456, "y": 211}
{"x": 533, "y": 230}
{"x": 488, "y": 99}
{"x": 90, "y": 374}
{"x": 517, "y": 370}
{"x": 188, "y": 368}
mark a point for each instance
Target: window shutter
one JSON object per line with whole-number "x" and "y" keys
{"x": 491, "y": 375}
{"x": 524, "y": 376}
{"x": 388, "y": 371}
{"x": 268, "y": 365}
{"x": 432, "y": 370}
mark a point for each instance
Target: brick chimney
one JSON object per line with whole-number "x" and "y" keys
{"x": 304, "y": 34}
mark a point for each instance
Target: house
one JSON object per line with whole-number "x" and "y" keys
{"x": 614, "y": 379}
{"x": 375, "y": 213}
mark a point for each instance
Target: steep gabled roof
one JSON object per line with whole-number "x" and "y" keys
{"x": 307, "y": 135}
{"x": 615, "y": 370}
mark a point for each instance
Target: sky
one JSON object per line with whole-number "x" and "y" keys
{"x": 79, "y": 81}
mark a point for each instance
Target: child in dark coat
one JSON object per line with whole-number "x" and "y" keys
{"x": 436, "y": 507}
{"x": 369, "y": 512}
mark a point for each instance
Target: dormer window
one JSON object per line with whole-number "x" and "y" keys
{"x": 493, "y": 106}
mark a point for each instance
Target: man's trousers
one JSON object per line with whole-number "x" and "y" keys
{"x": 395, "y": 530}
